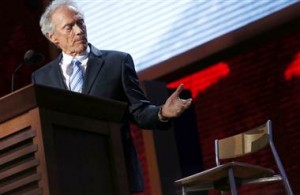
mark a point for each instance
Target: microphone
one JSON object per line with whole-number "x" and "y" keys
{"x": 31, "y": 58}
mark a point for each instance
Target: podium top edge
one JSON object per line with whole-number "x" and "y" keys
{"x": 61, "y": 100}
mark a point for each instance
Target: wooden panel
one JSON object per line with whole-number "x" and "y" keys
{"x": 243, "y": 143}
{"x": 33, "y": 96}
{"x": 19, "y": 183}
{"x": 40, "y": 153}
{"x": 241, "y": 171}
{"x": 14, "y": 125}
{"x": 152, "y": 162}
{"x": 17, "y": 103}
{"x": 18, "y": 154}
{"x": 19, "y": 168}
{"x": 34, "y": 192}
{"x": 17, "y": 138}
{"x": 18, "y": 172}
{"x": 37, "y": 130}
{"x": 71, "y": 141}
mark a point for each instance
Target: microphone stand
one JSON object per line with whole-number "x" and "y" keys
{"x": 13, "y": 77}
{"x": 30, "y": 57}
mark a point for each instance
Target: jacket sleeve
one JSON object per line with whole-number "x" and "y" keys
{"x": 142, "y": 112}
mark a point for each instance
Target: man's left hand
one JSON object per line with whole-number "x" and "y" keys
{"x": 174, "y": 105}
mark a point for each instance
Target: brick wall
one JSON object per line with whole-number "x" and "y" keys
{"x": 258, "y": 80}
{"x": 20, "y": 32}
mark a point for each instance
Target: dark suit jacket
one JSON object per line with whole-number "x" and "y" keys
{"x": 111, "y": 74}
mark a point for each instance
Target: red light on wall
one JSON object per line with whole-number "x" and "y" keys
{"x": 293, "y": 69}
{"x": 203, "y": 79}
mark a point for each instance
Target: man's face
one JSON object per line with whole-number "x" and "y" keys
{"x": 70, "y": 31}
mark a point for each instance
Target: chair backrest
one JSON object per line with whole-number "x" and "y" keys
{"x": 243, "y": 143}
{"x": 249, "y": 142}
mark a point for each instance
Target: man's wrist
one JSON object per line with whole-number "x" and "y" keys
{"x": 161, "y": 116}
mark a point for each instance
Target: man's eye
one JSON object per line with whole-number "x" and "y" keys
{"x": 68, "y": 28}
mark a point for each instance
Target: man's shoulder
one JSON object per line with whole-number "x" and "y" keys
{"x": 114, "y": 53}
{"x": 108, "y": 53}
{"x": 46, "y": 68}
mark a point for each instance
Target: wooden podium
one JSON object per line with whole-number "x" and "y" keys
{"x": 55, "y": 142}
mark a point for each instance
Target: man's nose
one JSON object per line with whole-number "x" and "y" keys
{"x": 78, "y": 29}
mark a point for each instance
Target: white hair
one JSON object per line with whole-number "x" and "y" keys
{"x": 45, "y": 22}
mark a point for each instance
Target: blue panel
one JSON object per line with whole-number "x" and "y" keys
{"x": 154, "y": 31}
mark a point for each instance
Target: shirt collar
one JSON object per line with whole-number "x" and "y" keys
{"x": 81, "y": 57}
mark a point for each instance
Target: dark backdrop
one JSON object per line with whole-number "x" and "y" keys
{"x": 245, "y": 86}
{"x": 20, "y": 32}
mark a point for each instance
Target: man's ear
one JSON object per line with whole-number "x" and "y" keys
{"x": 52, "y": 38}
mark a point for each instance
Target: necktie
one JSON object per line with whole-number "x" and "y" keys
{"x": 76, "y": 78}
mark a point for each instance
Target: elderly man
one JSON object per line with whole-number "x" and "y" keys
{"x": 108, "y": 74}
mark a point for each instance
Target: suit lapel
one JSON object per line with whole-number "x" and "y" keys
{"x": 94, "y": 65}
{"x": 57, "y": 75}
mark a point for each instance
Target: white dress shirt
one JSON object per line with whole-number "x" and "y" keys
{"x": 67, "y": 60}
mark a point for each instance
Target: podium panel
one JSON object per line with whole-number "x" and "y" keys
{"x": 21, "y": 158}
{"x": 47, "y": 148}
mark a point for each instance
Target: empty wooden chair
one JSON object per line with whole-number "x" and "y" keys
{"x": 229, "y": 175}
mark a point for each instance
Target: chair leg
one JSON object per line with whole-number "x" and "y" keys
{"x": 232, "y": 182}
{"x": 286, "y": 183}
{"x": 183, "y": 191}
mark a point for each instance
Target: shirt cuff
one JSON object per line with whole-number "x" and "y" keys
{"x": 161, "y": 117}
